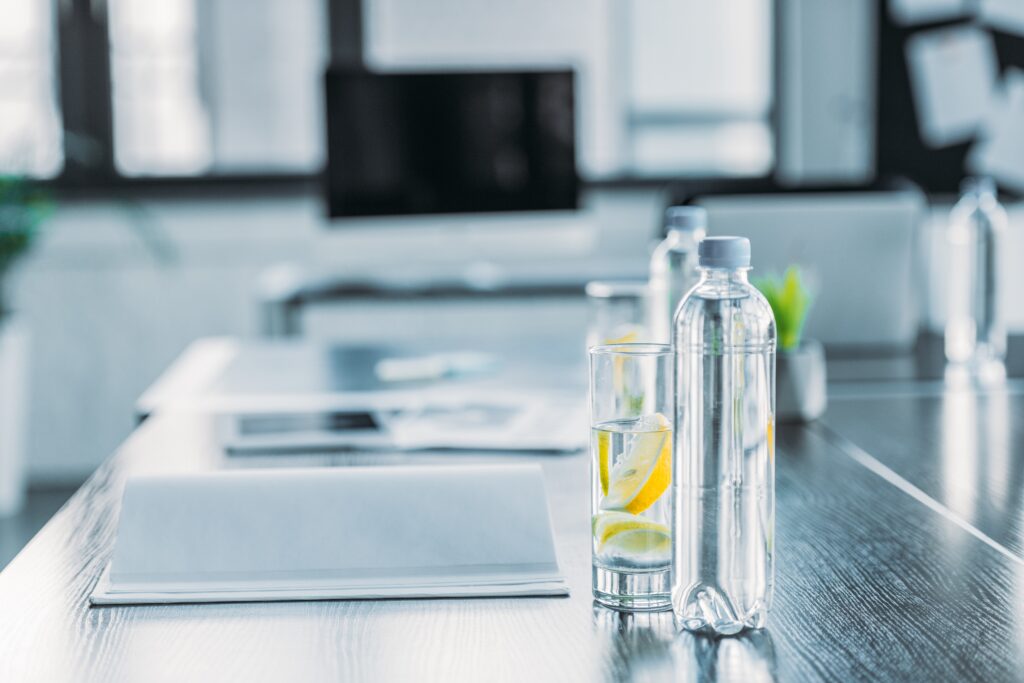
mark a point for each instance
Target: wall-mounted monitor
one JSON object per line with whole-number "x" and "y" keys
{"x": 454, "y": 142}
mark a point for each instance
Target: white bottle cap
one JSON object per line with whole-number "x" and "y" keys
{"x": 686, "y": 218}
{"x": 724, "y": 252}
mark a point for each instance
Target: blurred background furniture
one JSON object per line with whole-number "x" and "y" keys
{"x": 184, "y": 149}
{"x": 857, "y": 248}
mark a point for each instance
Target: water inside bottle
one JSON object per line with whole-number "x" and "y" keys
{"x": 724, "y": 471}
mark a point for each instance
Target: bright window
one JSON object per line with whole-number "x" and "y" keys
{"x": 217, "y": 86}
{"x": 31, "y": 141}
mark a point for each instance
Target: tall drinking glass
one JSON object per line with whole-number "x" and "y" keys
{"x": 631, "y": 469}
{"x": 618, "y": 312}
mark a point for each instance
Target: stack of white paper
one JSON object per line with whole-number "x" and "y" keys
{"x": 380, "y": 532}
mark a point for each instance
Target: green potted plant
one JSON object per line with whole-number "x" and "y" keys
{"x": 22, "y": 210}
{"x": 800, "y": 377}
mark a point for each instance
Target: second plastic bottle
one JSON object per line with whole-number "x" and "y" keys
{"x": 975, "y": 330}
{"x": 724, "y": 465}
{"x": 674, "y": 267}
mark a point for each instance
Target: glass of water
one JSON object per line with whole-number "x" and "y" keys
{"x": 631, "y": 407}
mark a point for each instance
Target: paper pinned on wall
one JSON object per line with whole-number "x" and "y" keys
{"x": 953, "y": 75}
{"x": 1000, "y": 151}
{"x": 913, "y": 12}
{"x": 1005, "y": 15}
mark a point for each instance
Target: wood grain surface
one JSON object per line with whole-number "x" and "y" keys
{"x": 961, "y": 448}
{"x": 872, "y": 585}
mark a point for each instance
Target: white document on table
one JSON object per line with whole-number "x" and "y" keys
{"x": 953, "y": 75}
{"x": 333, "y": 533}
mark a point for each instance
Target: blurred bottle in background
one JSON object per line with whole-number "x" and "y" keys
{"x": 674, "y": 267}
{"x": 975, "y": 330}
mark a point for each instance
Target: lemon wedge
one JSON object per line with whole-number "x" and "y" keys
{"x": 623, "y": 534}
{"x": 603, "y": 444}
{"x": 644, "y": 471}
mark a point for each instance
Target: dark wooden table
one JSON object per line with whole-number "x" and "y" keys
{"x": 899, "y": 527}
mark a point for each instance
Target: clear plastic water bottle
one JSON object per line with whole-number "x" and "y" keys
{"x": 975, "y": 331}
{"x": 674, "y": 267}
{"x": 724, "y": 466}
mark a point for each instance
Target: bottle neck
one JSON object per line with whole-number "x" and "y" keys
{"x": 724, "y": 275}
{"x": 685, "y": 236}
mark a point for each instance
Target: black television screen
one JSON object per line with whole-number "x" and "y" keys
{"x": 424, "y": 143}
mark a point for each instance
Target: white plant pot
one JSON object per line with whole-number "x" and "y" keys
{"x": 801, "y": 393}
{"x": 14, "y": 352}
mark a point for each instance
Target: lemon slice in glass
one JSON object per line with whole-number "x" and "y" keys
{"x": 643, "y": 473}
{"x": 620, "y": 534}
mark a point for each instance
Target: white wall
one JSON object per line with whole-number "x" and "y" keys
{"x": 113, "y": 293}
{"x": 826, "y": 108}
{"x": 706, "y": 57}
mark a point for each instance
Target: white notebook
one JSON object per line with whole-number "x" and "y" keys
{"x": 333, "y": 533}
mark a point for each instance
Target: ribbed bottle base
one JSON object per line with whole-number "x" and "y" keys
{"x": 706, "y": 610}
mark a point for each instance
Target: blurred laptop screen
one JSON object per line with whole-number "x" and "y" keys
{"x": 424, "y": 143}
